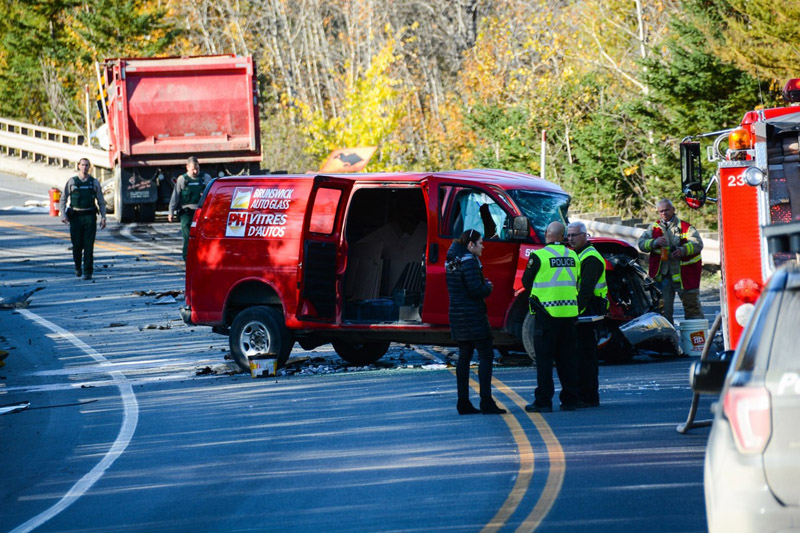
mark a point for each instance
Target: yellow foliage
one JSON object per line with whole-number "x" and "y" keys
{"x": 373, "y": 106}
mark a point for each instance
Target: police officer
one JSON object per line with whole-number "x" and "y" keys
{"x": 674, "y": 246}
{"x": 592, "y": 302}
{"x": 185, "y": 196}
{"x": 552, "y": 276}
{"x": 85, "y": 197}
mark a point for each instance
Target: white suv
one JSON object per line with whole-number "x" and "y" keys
{"x": 752, "y": 464}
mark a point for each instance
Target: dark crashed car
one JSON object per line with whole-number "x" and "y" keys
{"x": 632, "y": 322}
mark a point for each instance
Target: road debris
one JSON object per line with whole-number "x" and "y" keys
{"x": 18, "y": 301}
{"x": 13, "y": 407}
{"x": 155, "y": 326}
{"x": 165, "y": 300}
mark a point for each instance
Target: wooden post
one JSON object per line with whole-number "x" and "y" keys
{"x": 88, "y": 117}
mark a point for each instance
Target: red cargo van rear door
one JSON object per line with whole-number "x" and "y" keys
{"x": 322, "y": 259}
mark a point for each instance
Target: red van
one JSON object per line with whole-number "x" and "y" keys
{"x": 357, "y": 260}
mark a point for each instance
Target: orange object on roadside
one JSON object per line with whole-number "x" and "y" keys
{"x": 55, "y": 199}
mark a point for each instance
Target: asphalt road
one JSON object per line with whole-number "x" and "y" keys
{"x": 136, "y": 422}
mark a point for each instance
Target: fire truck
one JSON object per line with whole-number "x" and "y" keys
{"x": 757, "y": 180}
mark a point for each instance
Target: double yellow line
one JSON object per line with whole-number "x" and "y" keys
{"x": 555, "y": 474}
{"x": 555, "y": 458}
{"x": 555, "y": 453}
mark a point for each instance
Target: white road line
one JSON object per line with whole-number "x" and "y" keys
{"x": 130, "y": 418}
{"x": 127, "y": 232}
{"x": 24, "y": 193}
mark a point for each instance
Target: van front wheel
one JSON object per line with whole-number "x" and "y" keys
{"x": 259, "y": 330}
{"x": 361, "y": 354}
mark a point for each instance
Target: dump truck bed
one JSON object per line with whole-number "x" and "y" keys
{"x": 165, "y": 109}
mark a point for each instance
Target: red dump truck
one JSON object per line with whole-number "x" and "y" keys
{"x": 160, "y": 111}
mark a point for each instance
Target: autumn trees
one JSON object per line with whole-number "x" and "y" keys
{"x": 615, "y": 83}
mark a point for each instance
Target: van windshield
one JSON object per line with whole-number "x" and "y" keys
{"x": 541, "y": 208}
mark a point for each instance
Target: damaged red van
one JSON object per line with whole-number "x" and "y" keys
{"x": 357, "y": 260}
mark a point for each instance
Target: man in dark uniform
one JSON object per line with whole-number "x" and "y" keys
{"x": 592, "y": 301}
{"x": 552, "y": 277}
{"x": 185, "y": 196}
{"x": 85, "y": 197}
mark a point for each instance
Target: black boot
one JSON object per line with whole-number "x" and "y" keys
{"x": 488, "y": 407}
{"x": 465, "y": 407}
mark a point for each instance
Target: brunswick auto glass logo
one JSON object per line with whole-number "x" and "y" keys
{"x": 257, "y": 212}
{"x": 241, "y": 198}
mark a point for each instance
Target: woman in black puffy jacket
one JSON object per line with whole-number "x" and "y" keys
{"x": 469, "y": 324}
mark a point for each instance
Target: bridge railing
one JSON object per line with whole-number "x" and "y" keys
{"x": 710, "y": 252}
{"x": 47, "y": 145}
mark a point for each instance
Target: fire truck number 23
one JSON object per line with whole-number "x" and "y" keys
{"x": 736, "y": 181}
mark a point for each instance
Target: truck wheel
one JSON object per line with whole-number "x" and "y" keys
{"x": 147, "y": 212}
{"x": 361, "y": 354}
{"x": 126, "y": 213}
{"x": 527, "y": 336}
{"x": 259, "y": 330}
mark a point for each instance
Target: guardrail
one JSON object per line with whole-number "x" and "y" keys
{"x": 630, "y": 234}
{"x": 54, "y": 147}
{"x": 47, "y": 145}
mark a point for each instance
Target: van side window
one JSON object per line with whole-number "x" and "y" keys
{"x": 462, "y": 209}
{"x": 323, "y": 213}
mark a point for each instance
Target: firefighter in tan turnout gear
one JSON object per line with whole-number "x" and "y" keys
{"x": 674, "y": 246}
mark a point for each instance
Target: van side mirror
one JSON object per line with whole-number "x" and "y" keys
{"x": 520, "y": 228}
{"x": 708, "y": 377}
{"x": 691, "y": 175}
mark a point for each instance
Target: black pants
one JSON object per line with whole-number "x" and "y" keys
{"x": 485, "y": 359}
{"x": 82, "y": 232}
{"x": 587, "y": 364}
{"x": 554, "y": 341}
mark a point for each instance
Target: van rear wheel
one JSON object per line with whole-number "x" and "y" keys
{"x": 361, "y": 354}
{"x": 259, "y": 330}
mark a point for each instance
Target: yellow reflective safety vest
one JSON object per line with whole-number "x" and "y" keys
{"x": 556, "y": 282}
{"x": 601, "y": 288}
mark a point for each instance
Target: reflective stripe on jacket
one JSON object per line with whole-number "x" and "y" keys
{"x": 600, "y": 289}
{"x": 556, "y": 281}
{"x": 691, "y": 266}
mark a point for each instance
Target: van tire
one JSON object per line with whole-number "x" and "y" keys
{"x": 361, "y": 354}
{"x": 259, "y": 330}
{"x": 127, "y": 212}
{"x": 147, "y": 213}
{"x": 527, "y": 336}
